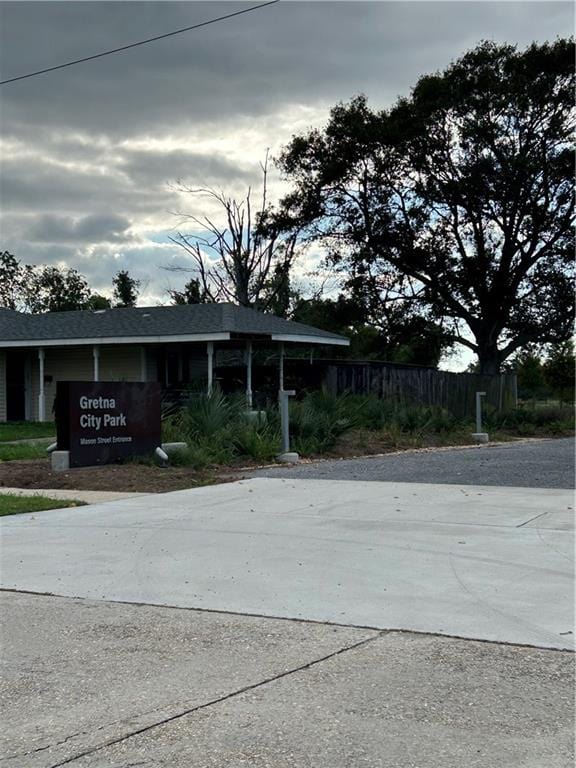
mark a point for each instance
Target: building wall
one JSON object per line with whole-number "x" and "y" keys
{"x": 2, "y": 386}
{"x": 117, "y": 363}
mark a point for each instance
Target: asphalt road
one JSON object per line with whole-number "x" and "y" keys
{"x": 533, "y": 464}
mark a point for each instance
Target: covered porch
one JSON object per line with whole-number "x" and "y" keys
{"x": 254, "y": 367}
{"x": 186, "y": 349}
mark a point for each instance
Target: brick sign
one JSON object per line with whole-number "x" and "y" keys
{"x": 103, "y": 422}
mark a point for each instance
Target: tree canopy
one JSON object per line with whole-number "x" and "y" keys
{"x": 398, "y": 337}
{"x": 40, "y": 288}
{"x": 192, "y": 293}
{"x": 126, "y": 289}
{"x": 559, "y": 372}
{"x": 458, "y": 200}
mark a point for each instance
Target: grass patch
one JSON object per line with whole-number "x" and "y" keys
{"x": 26, "y": 430}
{"x": 15, "y": 505}
{"x": 23, "y": 451}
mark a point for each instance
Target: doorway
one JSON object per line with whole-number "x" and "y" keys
{"x": 16, "y": 385}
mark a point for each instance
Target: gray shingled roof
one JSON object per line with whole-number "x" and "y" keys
{"x": 145, "y": 322}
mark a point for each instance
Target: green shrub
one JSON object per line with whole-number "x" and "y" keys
{"x": 259, "y": 442}
{"x": 531, "y": 421}
{"x": 207, "y": 415}
{"x": 218, "y": 429}
{"x": 375, "y": 413}
{"x": 318, "y": 420}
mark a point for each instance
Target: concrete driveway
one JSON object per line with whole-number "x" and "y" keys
{"x": 184, "y": 674}
{"x": 477, "y": 562}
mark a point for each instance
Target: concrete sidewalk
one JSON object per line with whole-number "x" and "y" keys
{"x": 477, "y": 562}
{"x": 96, "y": 684}
{"x": 89, "y": 497}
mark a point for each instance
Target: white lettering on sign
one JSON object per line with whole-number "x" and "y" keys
{"x": 90, "y": 421}
{"x": 95, "y": 421}
{"x": 114, "y": 421}
{"x": 96, "y": 403}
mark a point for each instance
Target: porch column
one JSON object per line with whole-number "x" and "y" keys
{"x": 96, "y": 362}
{"x": 41, "y": 393}
{"x": 281, "y": 368}
{"x": 249, "y": 374}
{"x": 210, "y": 353}
{"x": 143, "y": 370}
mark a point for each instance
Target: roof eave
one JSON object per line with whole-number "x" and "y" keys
{"x": 304, "y": 339}
{"x": 102, "y": 340}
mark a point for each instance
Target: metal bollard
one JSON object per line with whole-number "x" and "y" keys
{"x": 479, "y": 396}
{"x": 479, "y": 436}
{"x": 287, "y": 456}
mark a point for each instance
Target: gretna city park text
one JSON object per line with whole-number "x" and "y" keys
{"x": 94, "y": 421}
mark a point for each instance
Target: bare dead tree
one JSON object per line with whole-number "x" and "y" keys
{"x": 245, "y": 260}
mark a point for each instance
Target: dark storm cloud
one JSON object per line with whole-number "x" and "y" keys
{"x": 36, "y": 185}
{"x": 251, "y": 65}
{"x": 158, "y": 167}
{"x": 90, "y": 151}
{"x": 110, "y": 228}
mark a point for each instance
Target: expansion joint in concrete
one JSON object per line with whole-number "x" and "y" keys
{"x": 213, "y": 702}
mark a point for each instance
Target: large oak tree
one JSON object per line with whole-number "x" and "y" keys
{"x": 458, "y": 199}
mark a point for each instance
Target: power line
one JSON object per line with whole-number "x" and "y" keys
{"x": 141, "y": 42}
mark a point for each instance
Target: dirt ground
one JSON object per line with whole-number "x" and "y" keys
{"x": 113, "y": 477}
{"x": 143, "y": 478}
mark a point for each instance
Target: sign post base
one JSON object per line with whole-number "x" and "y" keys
{"x": 290, "y": 457}
{"x": 60, "y": 461}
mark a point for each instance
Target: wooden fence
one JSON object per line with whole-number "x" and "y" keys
{"x": 412, "y": 384}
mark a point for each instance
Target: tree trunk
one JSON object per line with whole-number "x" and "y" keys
{"x": 489, "y": 360}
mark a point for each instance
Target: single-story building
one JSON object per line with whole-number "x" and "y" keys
{"x": 171, "y": 345}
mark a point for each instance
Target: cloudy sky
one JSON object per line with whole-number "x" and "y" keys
{"x": 91, "y": 154}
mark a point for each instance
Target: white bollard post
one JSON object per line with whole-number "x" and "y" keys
{"x": 249, "y": 375}
{"x": 287, "y": 456}
{"x": 479, "y": 436}
{"x": 41, "y": 388}
{"x": 210, "y": 353}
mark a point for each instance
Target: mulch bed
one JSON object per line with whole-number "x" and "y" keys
{"x": 113, "y": 477}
